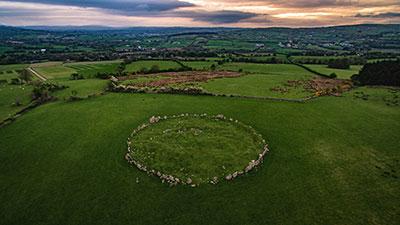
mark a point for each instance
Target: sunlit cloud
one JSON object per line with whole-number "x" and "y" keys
{"x": 251, "y": 13}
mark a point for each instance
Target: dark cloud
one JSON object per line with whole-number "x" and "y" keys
{"x": 216, "y": 17}
{"x": 130, "y": 7}
{"x": 324, "y": 3}
{"x": 379, "y": 15}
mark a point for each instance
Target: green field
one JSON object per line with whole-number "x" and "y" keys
{"x": 276, "y": 69}
{"x": 90, "y": 69}
{"x": 204, "y": 148}
{"x": 55, "y": 72}
{"x": 7, "y": 72}
{"x": 163, "y": 65}
{"x": 82, "y": 88}
{"x": 258, "y": 85}
{"x": 62, "y": 71}
{"x": 342, "y": 74}
{"x": 9, "y": 95}
{"x": 198, "y": 65}
{"x": 332, "y": 161}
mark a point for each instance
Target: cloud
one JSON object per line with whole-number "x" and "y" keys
{"x": 379, "y": 15}
{"x": 217, "y": 17}
{"x": 127, "y": 7}
{"x": 249, "y": 13}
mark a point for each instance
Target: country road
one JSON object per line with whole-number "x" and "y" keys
{"x": 41, "y": 77}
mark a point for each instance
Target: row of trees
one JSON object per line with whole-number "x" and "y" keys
{"x": 380, "y": 73}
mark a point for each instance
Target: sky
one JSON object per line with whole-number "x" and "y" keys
{"x": 198, "y": 13}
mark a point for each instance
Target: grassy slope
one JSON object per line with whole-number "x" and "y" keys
{"x": 9, "y": 94}
{"x": 55, "y": 72}
{"x": 326, "y": 166}
{"x": 342, "y": 74}
{"x": 258, "y": 85}
{"x": 82, "y": 87}
{"x": 163, "y": 65}
{"x": 198, "y": 65}
{"x": 262, "y": 78}
{"x": 202, "y": 148}
{"x": 7, "y": 72}
{"x": 276, "y": 69}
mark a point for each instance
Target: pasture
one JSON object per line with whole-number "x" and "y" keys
{"x": 146, "y": 65}
{"x": 10, "y": 95}
{"x": 332, "y": 160}
{"x": 341, "y": 74}
{"x": 8, "y": 72}
{"x": 319, "y": 171}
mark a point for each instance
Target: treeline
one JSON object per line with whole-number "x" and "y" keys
{"x": 267, "y": 60}
{"x": 342, "y": 63}
{"x": 38, "y": 57}
{"x": 380, "y": 73}
{"x": 144, "y": 70}
{"x": 337, "y": 63}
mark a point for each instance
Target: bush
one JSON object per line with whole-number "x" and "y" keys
{"x": 16, "y": 81}
{"x": 76, "y": 76}
{"x": 343, "y": 64}
{"x": 25, "y": 75}
{"x": 154, "y": 69}
{"x": 333, "y": 75}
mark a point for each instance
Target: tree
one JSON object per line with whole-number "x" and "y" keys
{"x": 339, "y": 64}
{"x": 154, "y": 69}
{"x": 25, "y": 75}
{"x": 213, "y": 67}
{"x": 380, "y": 73}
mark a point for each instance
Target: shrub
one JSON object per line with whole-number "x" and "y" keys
{"x": 16, "y": 81}
{"x": 25, "y": 75}
{"x": 154, "y": 69}
{"x": 76, "y": 76}
{"x": 339, "y": 64}
{"x": 333, "y": 75}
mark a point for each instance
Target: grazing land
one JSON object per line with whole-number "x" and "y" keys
{"x": 308, "y": 141}
{"x": 121, "y": 108}
{"x": 146, "y": 65}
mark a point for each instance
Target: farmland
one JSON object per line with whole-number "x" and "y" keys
{"x": 307, "y": 141}
{"x": 209, "y": 126}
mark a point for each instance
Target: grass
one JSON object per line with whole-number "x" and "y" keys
{"x": 198, "y": 148}
{"x": 9, "y": 94}
{"x": 258, "y": 85}
{"x": 55, "y": 72}
{"x": 8, "y": 72}
{"x": 332, "y": 161}
{"x": 199, "y": 65}
{"x": 83, "y": 88}
{"x": 61, "y": 72}
{"x": 163, "y": 65}
{"x": 276, "y": 69}
{"x": 142, "y": 79}
{"x": 342, "y": 74}
{"x": 90, "y": 69}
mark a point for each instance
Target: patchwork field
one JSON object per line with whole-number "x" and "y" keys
{"x": 10, "y": 95}
{"x": 342, "y": 74}
{"x": 332, "y": 160}
{"x": 260, "y": 85}
{"x": 7, "y": 72}
{"x": 146, "y": 65}
{"x": 321, "y": 169}
{"x": 62, "y": 71}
